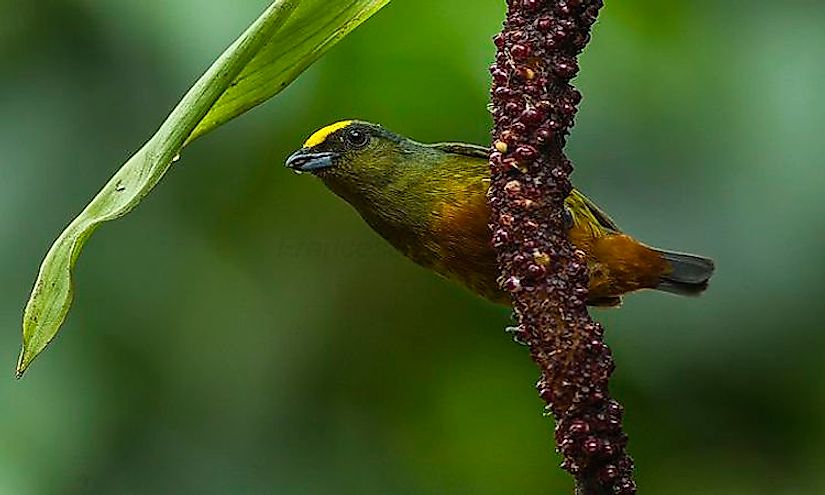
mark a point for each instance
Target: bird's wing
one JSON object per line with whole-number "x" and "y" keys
{"x": 475, "y": 151}
{"x": 465, "y": 149}
{"x": 600, "y": 216}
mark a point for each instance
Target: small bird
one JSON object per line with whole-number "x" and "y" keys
{"x": 429, "y": 201}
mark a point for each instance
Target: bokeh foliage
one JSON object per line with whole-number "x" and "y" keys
{"x": 302, "y": 355}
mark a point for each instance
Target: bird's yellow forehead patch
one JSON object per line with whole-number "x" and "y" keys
{"x": 322, "y": 134}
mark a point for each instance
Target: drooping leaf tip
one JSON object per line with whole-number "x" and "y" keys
{"x": 22, "y": 364}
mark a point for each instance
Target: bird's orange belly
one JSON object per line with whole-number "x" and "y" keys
{"x": 617, "y": 263}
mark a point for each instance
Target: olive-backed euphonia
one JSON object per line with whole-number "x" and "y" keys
{"x": 429, "y": 202}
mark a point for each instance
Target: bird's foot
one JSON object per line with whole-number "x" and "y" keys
{"x": 518, "y": 334}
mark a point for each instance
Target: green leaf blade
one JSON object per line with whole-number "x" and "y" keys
{"x": 257, "y": 66}
{"x": 299, "y": 44}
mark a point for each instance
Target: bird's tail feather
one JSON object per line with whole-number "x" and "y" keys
{"x": 689, "y": 273}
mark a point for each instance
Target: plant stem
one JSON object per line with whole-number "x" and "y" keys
{"x": 534, "y": 107}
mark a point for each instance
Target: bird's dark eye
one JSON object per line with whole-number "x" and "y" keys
{"x": 357, "y": 138}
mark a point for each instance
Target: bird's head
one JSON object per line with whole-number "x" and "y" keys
{"x": 386, "y": 177}
{"x": 352, "y": 154}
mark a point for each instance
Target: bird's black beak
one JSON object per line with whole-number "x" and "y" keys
{"x": 304, "y": 160}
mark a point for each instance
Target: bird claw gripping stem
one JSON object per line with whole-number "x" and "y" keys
{"x": 534, "y": 106}
{"x": 517, "y": 333}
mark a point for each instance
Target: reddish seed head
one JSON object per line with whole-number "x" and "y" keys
{"x": 513, "y": 284}
{"x": 526, "y": 153}
{"x": 579, "y": 427}
{"x": 591, "y": 445}
{"x": 566, "y": 67}
{"x": 570, "y": 466}
{"x": 513, "y": 187}
{"x": 627, "y": 487}
{"x": 501, "y": 237}
{"x": 499, "y": 76}
{"x": 533, "y": 89}
{"x": 545, "y": 24}
{"x": 609, "y": 472}
{"x": 581, "y": 40}
{"x": 608, "y": 450}
{"x": 520, "y": 52}
{"x": 559, "y": 34}
{"x": 512, "y": 108}
{"x": 589, "y": 16}
{"x": 565, "y": 444}
{"x": 532, "y": 4}
{"x": 574, "y": 96}
{"x": 509, "y": 137}
{"x": 544, "y": 135}
{"x": 532, "y": 116}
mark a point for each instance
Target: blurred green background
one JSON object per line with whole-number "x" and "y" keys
{"x": 245, "y": 332}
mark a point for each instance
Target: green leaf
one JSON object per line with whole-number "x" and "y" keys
{"x": 286, "y": 39}
{"x": 311, "y": 31}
